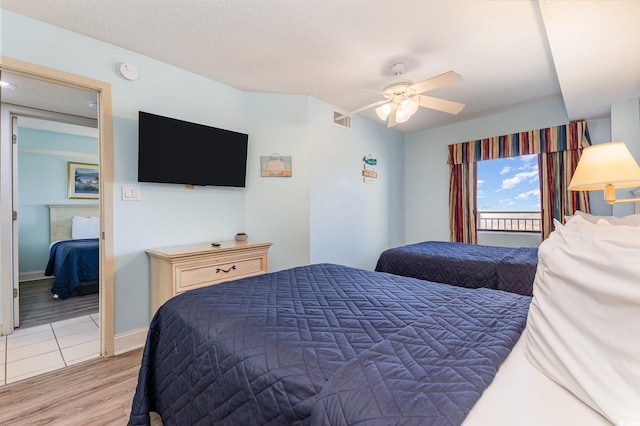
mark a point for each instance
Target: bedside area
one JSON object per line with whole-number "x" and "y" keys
{"x": 174, "y": 270}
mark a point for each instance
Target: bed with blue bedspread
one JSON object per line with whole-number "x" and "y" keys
{"x": 466, "y": 265}
{"x": 325, "y": 345}
{"x": 75, "y": 266}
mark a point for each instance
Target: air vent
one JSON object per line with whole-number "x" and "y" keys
{"x": 341, "y": 119}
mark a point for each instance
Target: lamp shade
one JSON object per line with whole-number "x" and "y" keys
{"x": 605, "y": 164}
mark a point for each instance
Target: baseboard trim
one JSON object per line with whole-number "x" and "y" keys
{"x": 31, "y": 276}
{"x": 130, "y": 340}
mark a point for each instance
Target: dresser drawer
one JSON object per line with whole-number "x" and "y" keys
{"x": 174, "y": 270}
{"x": 194, "y": 276}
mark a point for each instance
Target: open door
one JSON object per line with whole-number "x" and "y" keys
{"x": 14, "y": 223}
{"x": 9, "y": 274}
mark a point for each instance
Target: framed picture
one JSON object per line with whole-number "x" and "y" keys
{"x": 275, "y": 165}
{"x": 84, "y": 180}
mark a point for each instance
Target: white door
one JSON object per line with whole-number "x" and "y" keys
{"x": 14, "y": 224}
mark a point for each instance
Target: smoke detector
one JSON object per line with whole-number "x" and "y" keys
{"x": 129, "y": 72}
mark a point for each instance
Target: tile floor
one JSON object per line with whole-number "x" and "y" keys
{"x": 37, "y": 350}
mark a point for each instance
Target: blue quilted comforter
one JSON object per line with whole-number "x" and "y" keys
{"x": 466, "y": 265}
{"x": 325, "y": 344}
{"x": 72, "y": 262}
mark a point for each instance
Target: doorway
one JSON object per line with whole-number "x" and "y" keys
{"x": 9, "y": 261}
{"x": 48, "y": 143}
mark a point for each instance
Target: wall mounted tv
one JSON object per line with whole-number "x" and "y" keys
{"x": 177, "y": 151}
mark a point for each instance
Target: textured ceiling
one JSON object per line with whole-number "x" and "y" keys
{"x": 510, "y": 53}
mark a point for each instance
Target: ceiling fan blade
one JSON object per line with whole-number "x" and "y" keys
{"x": 440, "y": 104}
{"x": 375, "y": 104}
{"x": 432, "y": 83}
{"x": 377, "y": 92}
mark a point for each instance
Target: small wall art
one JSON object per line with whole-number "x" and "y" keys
{"x": 369, "y": 173}
{"x": 275, "y": 165}
{"x": 84, "y": 180}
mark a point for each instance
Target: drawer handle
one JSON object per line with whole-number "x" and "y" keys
{"x": 225, "y": 271}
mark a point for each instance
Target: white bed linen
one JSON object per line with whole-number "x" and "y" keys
{"x": 85, "y": 227}
{"x": 521, "y": 395}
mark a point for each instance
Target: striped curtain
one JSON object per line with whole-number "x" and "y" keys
{"x": 463, "y": 180}
{"x": 558, "y": 148}
{"x": 556, "y": 170}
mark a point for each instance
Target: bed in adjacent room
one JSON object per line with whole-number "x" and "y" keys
{"x": 74, "y": 251}
{"x": 510, "y": 269}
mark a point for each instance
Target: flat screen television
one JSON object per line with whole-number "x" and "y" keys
{"x": 177, "y": 151}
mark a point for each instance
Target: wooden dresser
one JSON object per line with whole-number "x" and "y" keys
{"x": 174, "y": 270}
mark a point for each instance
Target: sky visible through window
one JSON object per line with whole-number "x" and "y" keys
{"x": 509, "y": 184}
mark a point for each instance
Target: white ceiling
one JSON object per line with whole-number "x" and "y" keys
{"x": 510, "y": 53}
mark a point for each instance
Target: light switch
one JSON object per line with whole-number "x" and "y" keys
{"x": 130, "y": 193}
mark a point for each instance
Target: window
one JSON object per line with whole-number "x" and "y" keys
{"x": 508, "y": 194}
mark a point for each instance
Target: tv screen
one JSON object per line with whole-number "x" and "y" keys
{"x": 177, "y": 151}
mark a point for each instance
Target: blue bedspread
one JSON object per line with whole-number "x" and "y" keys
{"x": 72, "y": 262}
{"x": 466, "y": 265}
{"x": 324, "y": 344}
{"x": 517, "y": 271}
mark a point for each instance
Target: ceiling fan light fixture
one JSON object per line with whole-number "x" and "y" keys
{"x": 412, "y": 105}
{"x": 383, "y": 111}
{"x": 403, "y": 98}
{"x": 402, "y": 115}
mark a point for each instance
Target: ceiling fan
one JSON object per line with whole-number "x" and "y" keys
{"x": 403, "y": 97}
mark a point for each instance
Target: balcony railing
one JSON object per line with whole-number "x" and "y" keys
{"x": 509, "y": 221}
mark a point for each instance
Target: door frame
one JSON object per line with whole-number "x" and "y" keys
{"x": 105, "y": 136}
{"x": 15, "y": 281}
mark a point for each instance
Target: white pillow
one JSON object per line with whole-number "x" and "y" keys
{"x": 630, "y": 220}
{"x": 583, "y": 329}
{"x": 85, "y": 227}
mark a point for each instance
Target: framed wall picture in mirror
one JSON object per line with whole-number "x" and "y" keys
{"x": 84, "y": 180}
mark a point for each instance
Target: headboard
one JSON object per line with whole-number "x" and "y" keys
{"x": 60, "y": 218}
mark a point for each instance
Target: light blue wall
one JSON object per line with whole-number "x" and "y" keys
{"x": 166, "y": 214}
{"x": 281, "y": 211}
{"x": 277, "y": 208}
{"x": 353, "y": 222}
{"x": 43, "y": 158}
{"x": 323, "y": 213}
{"x": 508, "y": 239}
{"x": 600, "y": 131}
{"x": 625, "y": 127}
{"x": 427, "y": 172}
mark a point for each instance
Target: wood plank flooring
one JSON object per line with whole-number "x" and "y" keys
{"x": 37, "y": 306}
{"x": 97, "y": 392}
